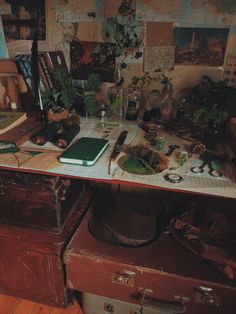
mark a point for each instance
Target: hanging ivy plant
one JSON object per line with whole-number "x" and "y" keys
{"x": 125, "y": 32}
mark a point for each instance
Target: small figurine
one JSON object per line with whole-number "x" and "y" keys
{"x": 183, "y": 157}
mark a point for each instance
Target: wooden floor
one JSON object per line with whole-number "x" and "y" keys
{"x": 11, "y": 305}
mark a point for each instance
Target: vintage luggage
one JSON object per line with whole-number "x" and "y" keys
{"x": 36, "y": 200}
{"x": 162, "y": 273}
{"x": 31, "y": 264}
{"x": 95, "y": 304}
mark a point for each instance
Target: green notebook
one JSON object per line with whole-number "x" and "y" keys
{"x": 85, "y": 151}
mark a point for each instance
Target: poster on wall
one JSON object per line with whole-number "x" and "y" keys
{"x": 79, "y": 10}
{"x": 83, "y": 62}
{"x": 200, "y": 46}
{"x": 21, "y": 23}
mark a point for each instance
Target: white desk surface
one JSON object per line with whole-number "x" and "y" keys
{"x": 47, "y": 162}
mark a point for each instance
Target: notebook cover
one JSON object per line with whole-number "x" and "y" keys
{"x": 85, "y": 151}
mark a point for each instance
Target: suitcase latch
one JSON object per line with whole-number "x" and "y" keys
{"x": 206, "y": 295}
{"x": 125, "y": 278}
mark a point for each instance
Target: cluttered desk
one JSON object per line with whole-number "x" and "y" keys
{"x": 130, "y": 153}
{"x": 46, "y": 213}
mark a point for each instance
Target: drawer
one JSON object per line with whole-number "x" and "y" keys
{"x": 95, "y": 304}
{"x": 37, "y": 201}
{"x": 162, "y": 271}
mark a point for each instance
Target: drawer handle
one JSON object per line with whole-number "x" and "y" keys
{"x": 125, "y": 278}
{"x": 206, "y": 295}
{"x": 173, "y": 307}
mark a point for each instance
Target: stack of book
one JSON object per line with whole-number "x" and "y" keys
{"x": 47, "y": 62}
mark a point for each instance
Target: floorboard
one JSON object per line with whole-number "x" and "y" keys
{"x": 11, "y": 305}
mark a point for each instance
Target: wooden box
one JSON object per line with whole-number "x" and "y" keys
{"x": 162, "y": 274}
{"x": 37, "y": 201}
{"x": 31, "y": 260}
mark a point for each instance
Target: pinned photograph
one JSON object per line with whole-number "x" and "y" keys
{"x": 83, "y": 62}
{"x": 200, "y": 46}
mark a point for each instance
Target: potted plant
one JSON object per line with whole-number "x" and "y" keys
{"x": 57, "y": 101}
{"x": 209, "y": 112}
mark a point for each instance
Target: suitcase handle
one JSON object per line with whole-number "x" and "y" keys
{"x": 174, "y": 307}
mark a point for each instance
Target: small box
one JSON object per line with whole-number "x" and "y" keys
{"x": 37, "y": 201}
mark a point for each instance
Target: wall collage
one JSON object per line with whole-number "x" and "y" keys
{"x": 184, "y": 38}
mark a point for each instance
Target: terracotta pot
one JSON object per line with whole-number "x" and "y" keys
{"x": 51, "y": 116}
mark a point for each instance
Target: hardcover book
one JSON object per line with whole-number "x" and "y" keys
{"x": 10, "y": 119}
{"x": 85, "y": 151}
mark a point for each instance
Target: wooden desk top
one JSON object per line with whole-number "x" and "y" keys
{"x": 46, "y": 161}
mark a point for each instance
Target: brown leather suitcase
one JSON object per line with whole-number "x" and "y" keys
{"x": 31, "y": 264}
{"x": 162, "y": 274}
{"x": 37, "y": 201}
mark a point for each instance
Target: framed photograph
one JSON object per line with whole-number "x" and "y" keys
{"x": 21, "y": 23}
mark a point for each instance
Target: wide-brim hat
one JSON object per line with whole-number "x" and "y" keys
{"x": 124, "y": 218}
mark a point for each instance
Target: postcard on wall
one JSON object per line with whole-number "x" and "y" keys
{"x": 159, "y": 58}
{"x": 200, "y": 46}
{"x": 83, "y": 62}
{"x": 21, "y": 23}
{"x": 79, "y": 10}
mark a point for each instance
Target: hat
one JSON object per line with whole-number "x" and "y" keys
{"x": 124, "y": 218}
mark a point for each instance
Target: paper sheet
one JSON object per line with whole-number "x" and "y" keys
{"x": 16, "y": 47}
{"x": 111, "y": 7}
{"x": 159, "y": 58}
{"x": 159, "y": 34}
{"x": 79, "y": 10}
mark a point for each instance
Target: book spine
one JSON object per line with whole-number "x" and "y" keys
{"x": 46, "y": 72}
{"x": 21, "y": 63}
{"x": 58, "y": 60}
{"x": 42, "y": 77}
{"x": 29, "y": 69}
{"x": 50, "y": 67}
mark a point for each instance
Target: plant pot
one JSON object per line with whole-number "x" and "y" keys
{"x": 52, "y": 116}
